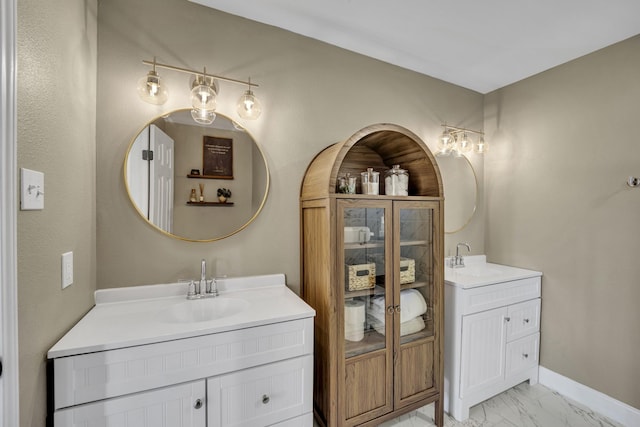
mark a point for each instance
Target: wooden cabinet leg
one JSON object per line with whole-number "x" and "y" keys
{"x": 438, "y": 409}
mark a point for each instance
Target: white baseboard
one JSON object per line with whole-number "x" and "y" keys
{"x": 593, "y": 399}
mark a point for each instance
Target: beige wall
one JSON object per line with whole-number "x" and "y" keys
{"x": 57, "y": 52}
{"x": 565, "y": 142}
{"x": 313, "y": 95}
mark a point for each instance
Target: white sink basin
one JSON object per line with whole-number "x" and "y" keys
{"x": 478, "y": 272}
{"x": 205, "y": 310}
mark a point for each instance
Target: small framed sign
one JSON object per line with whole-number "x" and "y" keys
{"x": 217, "y": 157}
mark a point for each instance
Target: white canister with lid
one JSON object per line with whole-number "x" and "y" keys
{"x": 396, "y": 181}
{"x": 370, "y": 182}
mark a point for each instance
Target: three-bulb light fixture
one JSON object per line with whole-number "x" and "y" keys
{"x": 204, "y": 91}
{"x": 457, "y": 141}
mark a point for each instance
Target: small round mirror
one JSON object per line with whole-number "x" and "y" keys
{"x": 196, "y": 182}
{"x": 460, "y": 191}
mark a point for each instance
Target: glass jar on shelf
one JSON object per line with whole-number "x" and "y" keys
{"x": 396, "y": 182}
{"x": 370, "y": 182}
{"x": 347, "y": 184}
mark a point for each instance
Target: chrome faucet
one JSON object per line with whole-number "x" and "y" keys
{"x": 203, "y": 288}
{"x": 458, "y": 260}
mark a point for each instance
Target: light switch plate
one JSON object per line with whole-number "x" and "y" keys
{"x": 31, "y": 190}
{"x": 67, "y": 269}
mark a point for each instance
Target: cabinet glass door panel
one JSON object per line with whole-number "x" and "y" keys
{"x": 366, "y": 285}
{"x": 414, "y": 267}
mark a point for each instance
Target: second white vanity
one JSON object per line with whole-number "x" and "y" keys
{"x": 492, "y": 331}
{"x": 145, "y": 356}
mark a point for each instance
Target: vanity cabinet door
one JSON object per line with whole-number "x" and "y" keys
{"x": 483, "y": 350}
{"x": 177, "y": 406}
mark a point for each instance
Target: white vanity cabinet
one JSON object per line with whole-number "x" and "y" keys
{"x": 492, "y": 332}
{"x": 252, "y": 369}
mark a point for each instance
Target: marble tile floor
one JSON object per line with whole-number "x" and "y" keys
{"x": 521, "y": 406}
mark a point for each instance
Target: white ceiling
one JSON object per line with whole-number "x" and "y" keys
{"x": 482, "y": 45}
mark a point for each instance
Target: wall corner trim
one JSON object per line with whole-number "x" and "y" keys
{"x": 597, "y": 401}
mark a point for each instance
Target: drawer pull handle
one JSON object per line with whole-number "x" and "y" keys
{"x": 526, "y": 320}
{"x": 507, "y": 319}
{"x": 265, "y": 399}
{"x": 198, "y": 404}
{"x": 525, "y": 355}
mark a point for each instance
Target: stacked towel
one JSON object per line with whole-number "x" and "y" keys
{"x": 410, "y": 327}
{"x": 413, "y": 306}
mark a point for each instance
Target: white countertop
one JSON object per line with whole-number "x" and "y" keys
{"x": 125, "y": 317}
{"x": 478, "y": 272}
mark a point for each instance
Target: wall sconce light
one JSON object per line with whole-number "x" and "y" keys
{"x": 204, "y": 92}
{"x": 456, "y": 141}
{"x": 249, "y": 106}
{"x": 151, "y": 89}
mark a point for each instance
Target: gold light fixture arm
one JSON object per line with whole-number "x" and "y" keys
{"x": 200, "y": 73}
{"x": 456, "y": 129}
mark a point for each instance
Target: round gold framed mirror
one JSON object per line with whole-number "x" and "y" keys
{"x": 460, "y": 191}
{"x": 175, "y": 170}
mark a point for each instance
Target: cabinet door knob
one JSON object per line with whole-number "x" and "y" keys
{"x": 198, "y": 404}
{"x": 265, "y": 399}
{"x": 507, "y": 319}
{"x": 397, "y": 308}
{"x": 525, "y": 355}
{"x": 526, "y": 320}
{"x": 390, "y": 309}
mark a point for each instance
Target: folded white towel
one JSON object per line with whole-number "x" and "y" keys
{"x": 412, "y": 304}
{"x": 409, "y": 327}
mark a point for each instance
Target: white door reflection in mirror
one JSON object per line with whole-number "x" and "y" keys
{"x": 150, "y": 176}
{"x": 460, "y": 191}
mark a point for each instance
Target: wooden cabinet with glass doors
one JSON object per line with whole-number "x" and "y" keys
{"x": 372, "y": 267}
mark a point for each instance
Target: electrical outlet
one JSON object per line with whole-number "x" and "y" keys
{"x": 67, "y": 269}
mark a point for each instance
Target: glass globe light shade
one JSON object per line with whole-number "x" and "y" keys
{"x": 249, "y": 106}
{"x": 464, "y": 145}
{"x": 203, "y": 97}
{"x": 481, "y": 146}
{"x": 203, "y": 117}
{"x": 152, "y": 90}
{"x": 446, "y": 142}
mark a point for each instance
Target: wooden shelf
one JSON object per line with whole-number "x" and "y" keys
{"x": 209, "y": 204}
{"x": 372, "y": 341}
{"x": 378, "y": 290}
{"x": 368, "y": 245}
{"x": 413, "y": 285}
{"x": 209, "y": 177}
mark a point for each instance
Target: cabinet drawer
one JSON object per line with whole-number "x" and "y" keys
{"x": 94, "y": 376}
{"x": 261, "y": 396}
{"x": 524, "y": 319}
{"x": 522, "y": 354}
{"x": 501, "y": 294}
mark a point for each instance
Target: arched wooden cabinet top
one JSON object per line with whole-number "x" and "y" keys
{"x": 379, "y": 147}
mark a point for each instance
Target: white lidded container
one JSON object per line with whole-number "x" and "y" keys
{"x": 396, "y": 181}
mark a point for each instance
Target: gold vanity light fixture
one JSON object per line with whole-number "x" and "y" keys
{"x": 457, "y": 141}
{"x": 203, "y": 93}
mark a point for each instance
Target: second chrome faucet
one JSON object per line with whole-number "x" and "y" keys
{"x": 458, "y": 260}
